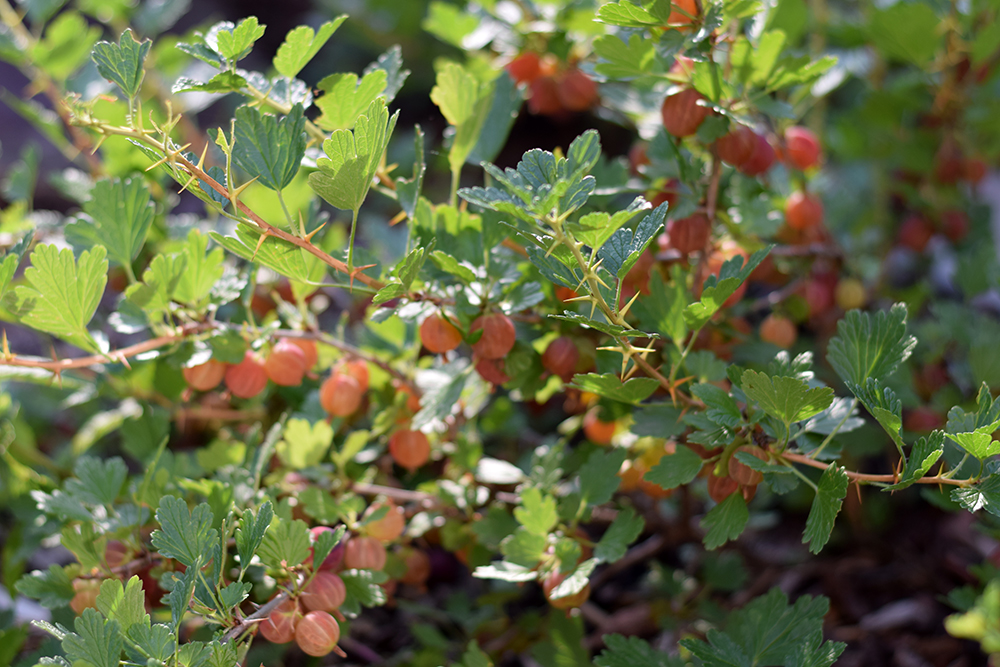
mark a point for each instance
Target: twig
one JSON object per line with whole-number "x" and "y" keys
{"x": 865, "y": 477}
{"x": 257, "y": 616}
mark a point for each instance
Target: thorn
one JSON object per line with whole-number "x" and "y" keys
{"x": 58, "y": 377}
{"x": 628, "y": 305}
{"x": 398, "y": 219}
{"x": 156, "y": 164}
{"x": 6, "y": 348}
{"x": 551, "y": 249}
{"x": 201, "y": 160}
{"x": 260, "y": 242}
{"x": 98, "y": 144}
{"x": 357, "y": 270}
{"x": 234, "y": 194}
{"x": 308, "y": 237}
{"x": 188, "y": 184}
{"x": 124, "y": 361}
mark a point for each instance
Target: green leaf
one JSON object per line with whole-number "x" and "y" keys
{"x": 732, "y": 274}
{"x": 285, "y": 544}
{"x": 406, "y": 272}
{"x": 346, "y": 174}
{"x": 659, "y": 420}
{"x": 825, "y": 507}
{"x": 233, "y": 594}
{"x": 599, "y": 475}
{"x": 301, "y": 45}
{"x": 65, "y": 46}
{"x": 594, "y": 229}
{"x": 235, "y": 44}
{"x": 883, "y": 404}
{"x": 185, "y": 535}
{"x": 52, "y": 587}
{"x": 474, "y": 657}
{"x": 345, "y": 98}
{"x": 181, "y": 591}
{"x": 575, "y": 581}
{"x": 675, "y": 469}
{"x": 633, "y": 652}
{"x": 625, "y": 60}
{"x": 725, "y": 521}
{"x": 609, "y": 385}
{"x": 985, "y": 495}
{"x": 769, "y": 632}
{"x": 223, "y": 82}
{"x": 449, "y": 264}
{"x": 250, "y": 534}
{"x": 465, "y": 102}
{"x": 720, "y": 407}
{"x": 622, "y": 250}
{"x": 325, "y": 543}
{"x": 867, "y": 346}
{"x": 304, "y": 444}
{"x": 766, "y": 54}
{"x": 157, "y": 641}
{"x": 908, "y": 33}
{"x": 97, "y": 482}
{"x": 8, "y": 267}
{"x": 96, "y": 641}
{"x": 925, "y": 453}
{"x": 279, "y": 255}
{"x": 390, "y": 62}
{"x": 523, "y": 547}
{"x": 61, "y": 296}
{"x": 121, "y": 63}
{"x": 627, "y": 15}
{"x": 125, "y": 604}
{"x": 202, "y": 270}
{"x": 979, "y": 444}
{"x": 662, "y": 310}
{"x": 449, "y": 23}
{"x": 505, "y": 571}
{"x": 537, "y": 512}
{"x": 622, "y": 532}
{"x": 270, "y": 148}
{"x": 986, "y": 416}
{"x": 408, "y": 189}
{"x": 363, "y": 588}
{"x": 786, "y": 398}
{"x": 444, "y": 387}
{"x": 505, "y": 102}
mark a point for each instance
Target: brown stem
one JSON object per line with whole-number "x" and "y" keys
{"x": 865, "y": 477}
{"x": 257, "y": 616}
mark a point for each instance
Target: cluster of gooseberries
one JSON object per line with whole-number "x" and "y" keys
{"x": 554, "y": 89}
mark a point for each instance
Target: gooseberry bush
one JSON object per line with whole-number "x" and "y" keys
{"x": 314, "y": 360}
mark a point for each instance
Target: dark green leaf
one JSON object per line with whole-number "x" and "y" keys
{"x": 390, "y": 62}
{"x": 725, "y": 521}
{"x": 52, "y": 587}
{"x": 721, "y": 408}
{"x": 251, "y": 532}
{"x": 732, "y": 274}
{"x": 599, "y": 475}
{"x": 285, "y": 544}
{"x": 925, "y": 453}
{"x": 363, "y": 588}
{"x": 825, "y": 507}
{"x": 985, "y": 495}
{"x": 408, "y": 189}
{"x": 622, "y": 532}
{"x": 675, "y": 469}
{"x": 122, "y": 63}
{"x": 622, "y": 250}
{"x": 609, "y": 385}
{"x": 786, "y": 398}
{"x": 658, "y": 420}
{"x": 96, "y": 641}
{"x": 120, "y": 213}
{"x": 270, "y": 148}
{"x": 97, "y": 482}
{"x": 506, "y": 102}
{"x": 905, "y": 32}
{"x": 537, "y": 512}
{"x": 184, "y": 535}
{"x": 633, "y": 652}
{"x": 125, "y": 604}
{"x": 870, "y": 347}
{"x": 157, "y": 641}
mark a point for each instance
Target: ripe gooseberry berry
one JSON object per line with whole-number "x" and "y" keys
{"x": 720, "y": 488}
{"x": 576, "y": 90}
{"x": 915, "y": 233}
{"x": 682, "y": 115}
{"x": 802, "y": 147}
{"x": 737, "y": 146}
{"x": 115, "y": 553}
{"x": 410, "y": 449}
{"x": 491, "y": 370}
{"x": 86, "y": 591}
{"x": 778, "y": 330}
{"x": 498, "y": 336}
{"x": 596, "y": 430}
{"x": 247, "y": 378}
{"x": 761, "y": 159}
{"x": 544, "y": 98}
{"x": 525, "y": 68}
{"x": 743, "y": 474}
{"x": 325, "y": 592}
{"x": 955, "y": 225}
{"x": 567, "y": 601}
{"x": 439, "y": 335}
{"x": 279, "y": 628}
{"x": 418, "y": 567}
{"x": 317, "y": 634}
{"x": 669, "y": 193}
{"x": 560, "y": 357}
{"x": 390, "y": 526}
{"x": 286, "y": 364}
{"x": 340, "y": 395}
{"x": 206, "y": 376}
{"x": 308, "y": 348}
{"x": 364, "y": 553}
{"x": 357, "y": 369}
{"x": 687, "y": 235}
{"x": 803, "y": 210}
{"x": 682, "y": 14}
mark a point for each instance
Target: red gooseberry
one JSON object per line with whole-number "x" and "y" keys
{"x": 576, "y": 90}
{"x": 544, "y": 98}
{"x": 525, "y": 68}
{"x": 491, "y": 370}
{"x": 596, "y": 430}
{"x": 567, "y": 601}
{"x": 955, "y": 225}
{"x": 687, "y": 235}
{"x": 115, "y": 553}
{"x": 308, "y": 348}
{"x": 498, "y": 336}
{"x": 206, "y": 376}
{"x": 286, "y": 365}
{"x": 737, "y": 146}
{"x": 682, "y": 14}
{"x": 317, "y": 633}
{"x": 803, "y": 210}
{"x": 390, "y": 526}
{"x": 325, "y": 592}
{"x": 720, "y": 488}
{"x": 669, "y": 193}
{"x": 439, "y": 335}
{"x": 682, "y": 115}
{"x": 915, "y": 233}
{"x": 364, "y": 553}
{"x": 761, "y": 159}
{"x": 340, "y": 395}
{"x": 802, "y": 147}
{"x": 743, "y": 474}
{"x": 247, "y": 378}
{"x": 410, "y": 449}
{"x": 279, "y": 628}
{"x": 357, "y": 369}
{"x": 86, "y": 591}
{"x": 560, "y": 357}
{"x": 418, "y": 567}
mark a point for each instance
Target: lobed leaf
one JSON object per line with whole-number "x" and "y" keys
{"x": 122, "y": 63}
{"x": 825, "y": 507}
{"x": 302, "y": 44}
